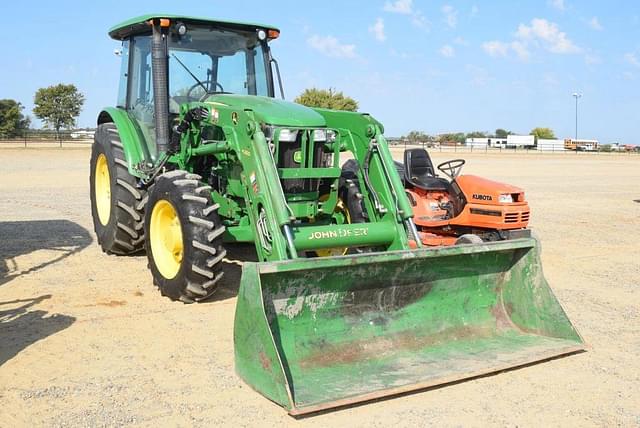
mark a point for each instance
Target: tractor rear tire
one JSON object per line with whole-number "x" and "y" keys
{"x": 183, "y": 237}
{"x": 117, "y": 204}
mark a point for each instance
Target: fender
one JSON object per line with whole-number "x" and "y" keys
{"x": 133, "y": 143}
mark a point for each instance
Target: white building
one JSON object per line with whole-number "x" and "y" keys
{"x": 484, "y": 142}
{"x": 548, "y": 145}
{"x": 82, "y": 134}
{"x": 477, "y": 143}
{"x": 515, "y": 141}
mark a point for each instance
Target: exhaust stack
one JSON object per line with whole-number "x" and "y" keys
{"x": 159, "y": 70}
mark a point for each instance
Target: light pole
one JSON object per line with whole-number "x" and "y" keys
{"x": 577, "y": 95}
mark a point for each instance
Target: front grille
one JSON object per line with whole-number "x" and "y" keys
{"x": 516, "y": 217}
{"x": 511, "y": 218}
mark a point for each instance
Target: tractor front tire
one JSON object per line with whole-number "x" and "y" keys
{"x": 117, "y": 204}
{"x": 183, "y": 237}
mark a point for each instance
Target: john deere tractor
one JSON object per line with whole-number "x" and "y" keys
{"x": 199, "y": 154}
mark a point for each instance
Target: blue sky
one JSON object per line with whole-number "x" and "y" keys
{"x": 435, "y": 66}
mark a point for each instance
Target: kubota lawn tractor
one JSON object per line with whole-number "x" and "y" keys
{"x": 463, "y": 209}
{"x": 199, "y": 154}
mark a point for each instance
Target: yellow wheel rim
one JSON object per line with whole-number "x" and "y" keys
{"x": 165, "y": 235}
{"x": 103, "y": 189}
{"x": 341, "y": 209}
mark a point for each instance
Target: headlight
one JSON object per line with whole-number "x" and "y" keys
{"x": 505, "y": 198}
{"x": 288, "y": 135}
{"x": 319, "y": 135}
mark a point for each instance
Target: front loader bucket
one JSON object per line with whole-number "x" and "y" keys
{"x": 312, "y": 334}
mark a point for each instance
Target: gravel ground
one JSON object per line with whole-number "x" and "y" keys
{"x": 86, "y": 340}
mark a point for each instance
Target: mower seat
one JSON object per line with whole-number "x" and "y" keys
{"x": 419, "y": 171}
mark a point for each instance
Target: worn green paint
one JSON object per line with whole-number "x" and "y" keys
{"x": 350, "y": 326}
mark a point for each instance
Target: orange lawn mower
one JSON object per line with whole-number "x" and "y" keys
{"x": 464, "y": 209}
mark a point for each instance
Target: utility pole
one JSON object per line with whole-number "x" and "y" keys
{"x": 577, "y": 95}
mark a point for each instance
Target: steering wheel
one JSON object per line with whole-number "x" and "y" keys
{"x": 206, "y": 83}
{"x": 452, "y": 168}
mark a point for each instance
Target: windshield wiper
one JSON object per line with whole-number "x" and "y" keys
{"x": 190, "y": 73}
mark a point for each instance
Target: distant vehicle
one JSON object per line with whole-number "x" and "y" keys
{"x": 581, "y": 145}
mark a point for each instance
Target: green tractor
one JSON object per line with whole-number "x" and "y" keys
{"x": 198, "y": 154}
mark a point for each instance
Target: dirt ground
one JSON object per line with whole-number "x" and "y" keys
{"x": 86, "y": 340}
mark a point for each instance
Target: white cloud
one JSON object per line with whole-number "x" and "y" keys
{"x": 419, "y": 20}
{"x": 450, "y": 15}
{"x": 447, "y": 51}
{"x": 550, "y": 79}
{"x": 404, "y": 7}
{"x": 377, "y": 30}
{"x": 460, "y": 41}
{"x": 539, "y": 33}
{"x": 632, "y": 59}
{"x": 330, "y": 46}
{"x": 521, "y": 50}
{"x": 479, "y": 76}
{"x": 495, "y": 48}
{"x": 557, "y": 4}
{"x": 590, "y": 59}
{"x": 541, "y": 30}
{"x": 595, "y": 24}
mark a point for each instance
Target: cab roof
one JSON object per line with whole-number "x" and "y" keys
{"x": 139, "y": 24}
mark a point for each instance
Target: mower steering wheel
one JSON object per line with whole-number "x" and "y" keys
{"x": 206, "y": 83}
{"x": 451, "y": 168}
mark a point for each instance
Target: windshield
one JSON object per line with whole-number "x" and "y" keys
{"x": 207, "y": 61}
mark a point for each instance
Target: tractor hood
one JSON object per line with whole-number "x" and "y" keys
{"x": 272, "y": 111}
{"x": 480, "y": 190}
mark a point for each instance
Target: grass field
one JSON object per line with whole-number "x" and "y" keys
{"x": 86, "y": 340}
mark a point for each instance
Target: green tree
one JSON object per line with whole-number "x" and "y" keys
{"x": 12, "y": 121}
{"x": 544, "y": 133}
{"x": 326, "y": 98}
{"x": 476, "y": 134}
{"x": 458, "y": 137}
{"x": 415, "y": 136}
{"x": 502, "y": 133}
{"x": 58, "y": 106}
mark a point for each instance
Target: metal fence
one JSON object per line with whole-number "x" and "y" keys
{"x": 434, "y": 147}
{"x": 47, "y": 138}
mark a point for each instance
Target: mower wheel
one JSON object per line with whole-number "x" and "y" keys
{"x": 117, "y": 204}
{"x": 184, "y": 237}
{"x": 469, "y": 238}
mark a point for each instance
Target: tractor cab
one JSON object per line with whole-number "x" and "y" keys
{"x": 172, "y": 61}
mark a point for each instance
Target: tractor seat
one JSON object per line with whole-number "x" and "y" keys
{"x": 419, "y": 171}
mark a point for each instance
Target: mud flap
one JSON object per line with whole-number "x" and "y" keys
{"x": 319, "y": 333}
